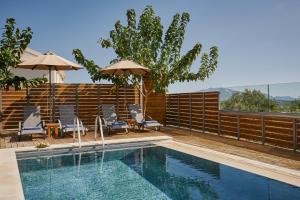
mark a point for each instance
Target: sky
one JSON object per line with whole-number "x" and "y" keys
{"x": 258, "y": 40}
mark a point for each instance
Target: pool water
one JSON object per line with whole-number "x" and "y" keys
{"x": 143, "y": 173}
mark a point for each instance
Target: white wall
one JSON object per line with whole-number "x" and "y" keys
{"x": 57, "y": 76}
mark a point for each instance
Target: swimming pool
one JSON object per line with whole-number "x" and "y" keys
{"x": 142, "y": 173}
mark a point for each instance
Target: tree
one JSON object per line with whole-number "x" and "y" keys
{"x": 145, "y": 43}
{"x": 290, "y": 106}
{"x": 12, "y": 45}
{"x": 249, "y": 100}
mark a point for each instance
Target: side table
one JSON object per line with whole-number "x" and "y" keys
{"x": 54, "y": 126}
{"x": 131, "y": 123}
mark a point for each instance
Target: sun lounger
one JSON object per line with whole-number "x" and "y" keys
{"x": 32, "y": 123}
{"x": 67, "y": 121}
{"x": 110, "y": 118}
{"x": 137, "y": 115}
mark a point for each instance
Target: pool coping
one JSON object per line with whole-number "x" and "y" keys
{"x": 11, "y": 185}
{"x": 275, "y": 172}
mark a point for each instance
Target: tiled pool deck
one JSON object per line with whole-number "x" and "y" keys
{"x": 263, "y": 153}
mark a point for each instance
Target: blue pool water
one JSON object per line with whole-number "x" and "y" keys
{"x": 143, "y": 173}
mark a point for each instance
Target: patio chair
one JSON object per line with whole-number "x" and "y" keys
{"x": 67, "y": 120}
{"x": 32, "y": 123}
{"x": 111, "y": 120}
{"x": 137, "y": 115}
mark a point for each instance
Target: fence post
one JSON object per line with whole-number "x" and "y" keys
{"x": 238, "y": 126}
{"x": 167, "y": 107}
{"x": 219, "y": 122}
{"x": 203, "y": 112}
{"x": 268, "y": 86}
{"x": 1, "y": 113}
{"x": 178, "y": 110}
{"x": 295, "y": 127}
{"x": 27, "y": 96}
{"x": 125, "y": 101}
{"x": 76, "y": 97}
{"x": 190, "y": 109}
{"x": 263, "y": 130}
{"x": 53, "y": 101}
{"x": 98, "y": 98}
{"x": 117, "y": 99}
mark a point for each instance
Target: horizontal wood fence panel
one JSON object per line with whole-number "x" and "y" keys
{"x": 193, "y": 110}
{"x": 86, "y": 99}
{"x": 200, "y": 111}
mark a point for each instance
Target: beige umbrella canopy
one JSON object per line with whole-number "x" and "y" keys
{"x": 49, "y": 61}
{"x": 126, "y": 68}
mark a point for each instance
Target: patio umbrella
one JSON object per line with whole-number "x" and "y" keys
{"x": 125, "y": 68}
{"x": 49, "y": 61}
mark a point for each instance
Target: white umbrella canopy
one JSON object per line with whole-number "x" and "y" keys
{"x": 126, "y": 68}
{"x": 49, "y": 61}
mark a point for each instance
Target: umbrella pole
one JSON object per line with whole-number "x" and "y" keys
{"x": 141, "y": 96}
{"x": 125, "y": 88}
{"x": 50, "y": 89}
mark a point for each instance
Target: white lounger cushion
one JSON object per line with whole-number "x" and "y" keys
{"x": 32, "y": 121}
{"x": 136, "y": 113}
{"x": 110, "y": 117}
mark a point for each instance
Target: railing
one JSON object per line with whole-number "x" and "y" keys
{"x": 199, "y": 111}
{"x": 278, "y": 97}
{"x": 99, "y": 125}
{"x": 77, "y": 127}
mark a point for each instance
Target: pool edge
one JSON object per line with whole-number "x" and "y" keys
{"x": 11, "y": 185}
{"x": 275, "y": 172}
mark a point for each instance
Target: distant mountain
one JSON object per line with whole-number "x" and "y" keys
{"x": 225, "y": 93}
{"x": 283, "y": 98}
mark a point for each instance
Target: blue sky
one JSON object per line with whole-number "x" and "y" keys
{"x": 258, "y": 40}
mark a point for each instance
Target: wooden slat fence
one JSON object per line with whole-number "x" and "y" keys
{"x": 156, "y": 106}
{"x": 266, "y": 128}
{"x": 86, "y": 99}
{"x": 200, "y": 111}
{"x": 193, "y": 110}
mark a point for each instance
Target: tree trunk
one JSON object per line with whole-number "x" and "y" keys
{"x": 147, "y": 90}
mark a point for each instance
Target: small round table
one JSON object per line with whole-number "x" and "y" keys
{"x": 131, "y": 123}
{"x": 54, "y": 126}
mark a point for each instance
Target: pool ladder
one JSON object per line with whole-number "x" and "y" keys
{"x": 78, "y": 126}
{"x": 98, "y": 123}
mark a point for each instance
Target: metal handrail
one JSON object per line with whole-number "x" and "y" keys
{"x": 76, "y": 124}
{"x": 98, "y": 121}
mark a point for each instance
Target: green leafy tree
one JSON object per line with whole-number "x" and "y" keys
{"x": 249, "y": 100}
{"x": 295, "y": 106}
{"x": 145, "y": 43}
{"x": 290, "y": 106}
{"x": 12, "y": 44}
